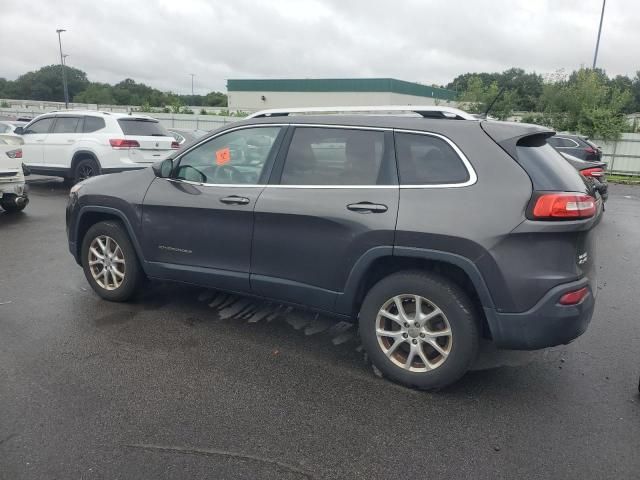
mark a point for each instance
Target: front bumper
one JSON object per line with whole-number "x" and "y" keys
{"x": 547, "y": 324}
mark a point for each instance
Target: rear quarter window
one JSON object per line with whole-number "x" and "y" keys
{"x": 93, "y": 124}
{"x": 142, "y": 127}
{"x": 547, "y": 169}
{"x": 428, "y": 160}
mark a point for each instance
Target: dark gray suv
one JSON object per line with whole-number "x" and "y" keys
{"x": 431, "y": 230}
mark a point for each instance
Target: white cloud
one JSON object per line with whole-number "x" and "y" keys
{"x": 161, "y": 42}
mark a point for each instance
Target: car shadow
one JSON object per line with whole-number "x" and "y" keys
{"x": 273, "y": 323}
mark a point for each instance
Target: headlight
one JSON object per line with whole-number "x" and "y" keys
{"x": 75, "y": 189}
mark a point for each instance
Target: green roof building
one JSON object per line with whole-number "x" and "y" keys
{"x": 258, "y": 94}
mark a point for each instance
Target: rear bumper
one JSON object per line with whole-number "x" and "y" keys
{"x": 546, "y": 324}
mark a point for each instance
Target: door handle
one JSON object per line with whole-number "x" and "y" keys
{"x": 367, "y": 207}
{"x": 40, "y": 140}
{"x": 235, "y": 200}
{"x": 70, "y": 140}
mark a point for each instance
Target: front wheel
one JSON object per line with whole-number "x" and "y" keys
{"x": 110, "y": 262}
{"x": 419, "y": 329}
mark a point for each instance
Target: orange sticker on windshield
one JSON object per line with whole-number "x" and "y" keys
{"x": 223, "y": 156}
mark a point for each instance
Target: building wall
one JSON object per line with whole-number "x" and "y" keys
{"x": 251, "y": 101}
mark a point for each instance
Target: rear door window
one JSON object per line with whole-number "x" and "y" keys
{"x": 335, "y": 156}
{"x": 142, "y": 127}
{"x": 66, "y": 125}
{"x": 428, "y": 160}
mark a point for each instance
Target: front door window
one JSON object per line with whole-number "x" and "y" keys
{"x": 234, "y": 158}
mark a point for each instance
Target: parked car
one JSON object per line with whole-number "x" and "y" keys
{"x": 13, "y": 190}
{"x": 595, "y": 172}
{"x": 576, "y": 146}
{"x": 7, "y": 127}
{"x": 429, "y": 232}
{"x": 79, "y": 144}
{"x": 185, "y": 135}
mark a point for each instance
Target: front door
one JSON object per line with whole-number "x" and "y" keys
{"x": 197, "y": 225}
{"x": 34, "y": 137}
{"x": 59, "y": 144}
{"x": 335, "y": 201}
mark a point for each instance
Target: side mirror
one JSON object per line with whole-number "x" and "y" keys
{"x": 163, "y": 169}
{"x": 19, "y": 131}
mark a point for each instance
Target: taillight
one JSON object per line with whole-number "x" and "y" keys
{"x": 175, "y": 145}
{"x": 573, "y": 298}
{"x": 593, "y": 172}
{"x": 589, "y": 150}
{"x": 123, "y": 144}
{"x": 559, "y": 206}
{"x": 17, "y": 153}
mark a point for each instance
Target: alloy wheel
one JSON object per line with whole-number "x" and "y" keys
{"x": 85, "y": 171}
{"x": 106, "y": 262}
{"x": 413, "y": 333}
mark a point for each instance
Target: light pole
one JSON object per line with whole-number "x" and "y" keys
{"x": 595, "y": 55}
{"x": 192, "y": 75}
{"x": 64, "y": 74}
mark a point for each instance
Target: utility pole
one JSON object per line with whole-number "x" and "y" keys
{"x": 64, "y": 73}
{"x": 595, "y": 56}
{"x": 192, "y": 75}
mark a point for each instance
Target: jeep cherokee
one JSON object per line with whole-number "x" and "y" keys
{"x": 430, "y": 229}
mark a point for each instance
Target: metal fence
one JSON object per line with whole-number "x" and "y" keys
{"x": 177, "y": 120}
{"x": 622, "y": 156}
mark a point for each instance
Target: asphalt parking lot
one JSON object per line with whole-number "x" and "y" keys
{"x": 187, "y": 383}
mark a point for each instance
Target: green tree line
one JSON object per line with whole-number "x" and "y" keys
{"x": 586, "y": 101}
{"x": 46, "y": 84}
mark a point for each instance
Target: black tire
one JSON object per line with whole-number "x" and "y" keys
{"x": 133, "y": 274}
{"x": 458, "y": 312}
{"x": 85, "y": 168}
{"x": 9, "y": 206}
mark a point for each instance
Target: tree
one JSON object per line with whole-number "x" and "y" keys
{"x": 46, "y": 84}
{"x": 478, "y": 96}
{"x": 587, "y": 102}
{"x": 527, "y": 87}
{"x": 99, "y": 93}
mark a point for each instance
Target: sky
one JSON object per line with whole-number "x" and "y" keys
{"x": 160, "y": 42}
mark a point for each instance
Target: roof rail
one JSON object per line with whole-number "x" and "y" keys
{"x": 427, "y": 111}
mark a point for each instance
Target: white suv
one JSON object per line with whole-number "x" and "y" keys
{"x": 80, "y": 144}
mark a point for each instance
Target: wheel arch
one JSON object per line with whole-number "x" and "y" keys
{"x": 83, "y": 154}
{"x": 90, "y": 215}
{"x": 380, "y": 262}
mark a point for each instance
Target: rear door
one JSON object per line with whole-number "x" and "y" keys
{"x": 197, "y": 225}
{"x": 333, "y": 199}
{"x": 153, "y": 139}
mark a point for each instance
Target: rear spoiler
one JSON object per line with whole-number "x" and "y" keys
{"x": 508, "y": 134}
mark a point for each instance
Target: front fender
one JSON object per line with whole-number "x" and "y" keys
{"x": 113, "y": 212}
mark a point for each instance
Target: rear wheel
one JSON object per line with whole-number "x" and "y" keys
{"x": 110, "y": 262}
{"x": 419, "y": 329}
{"x": 85, "y": 168}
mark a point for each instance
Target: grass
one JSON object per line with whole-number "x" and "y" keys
{"x": 624, "y": 179}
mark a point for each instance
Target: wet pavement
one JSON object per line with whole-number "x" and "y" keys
{"x": 189, "y": 383}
